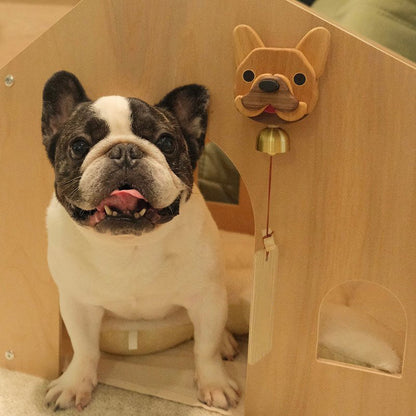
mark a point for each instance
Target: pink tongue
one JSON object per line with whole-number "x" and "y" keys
{"x": 132, "y": 192}
{"x": 270, "y": 109}
{"x": 122, "y": 200}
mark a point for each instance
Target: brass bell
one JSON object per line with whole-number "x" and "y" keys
{"x": 273, "y": 140}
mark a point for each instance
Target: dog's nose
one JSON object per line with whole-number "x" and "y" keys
{"x": 125, "y": 154}
{"x": 269, "y": 85}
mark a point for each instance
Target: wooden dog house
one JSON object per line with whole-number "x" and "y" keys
{"x": 343, "y": 199}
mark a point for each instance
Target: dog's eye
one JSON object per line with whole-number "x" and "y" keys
{"x": 79, "y": 148}
{"x": 299, "y": 79}
{"x": 248, "y": 75}
{"x": 167, "y": 144}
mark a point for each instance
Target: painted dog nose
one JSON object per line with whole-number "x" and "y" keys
{"x": 125, "y": 154}
{"x": 269, "y": 85}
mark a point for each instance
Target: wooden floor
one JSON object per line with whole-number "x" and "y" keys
{"x": 21, "y": 22}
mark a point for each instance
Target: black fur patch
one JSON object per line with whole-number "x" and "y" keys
{"x": 150, "y": 123}
{"x": 61, "y": 95}
{"x": 189, "y": 105}
{"x": 144, "y": 121}
{"x": 97, "y": 129}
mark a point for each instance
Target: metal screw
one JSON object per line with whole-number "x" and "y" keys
{"x": 9, "y": 80}
{"x": 9, "y": 355}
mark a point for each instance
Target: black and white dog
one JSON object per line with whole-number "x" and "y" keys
{"x": 128, "y": 233}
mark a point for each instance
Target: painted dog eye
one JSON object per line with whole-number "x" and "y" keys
{"x": 299, "y": 79}
{"x": 167, "y": 144}
{"x": 248, "y": 75}
{"x": 79, "y": 148}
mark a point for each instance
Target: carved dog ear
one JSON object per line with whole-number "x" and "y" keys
{"x": 189, "y": 105}
{"x": 245, "y": 40}
{"x": 61, "y": 94}
{"x": 315, "y": 46}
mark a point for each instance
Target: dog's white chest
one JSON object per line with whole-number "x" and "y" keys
{"x": 143, "y": 285}
{"x": 143, "y": 280}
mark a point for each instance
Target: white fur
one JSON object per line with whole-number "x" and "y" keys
{"x": 116, "y": 271}
{"x": 147, "y": 277}
{"x": 356, "y": 336}
{"x": 115, "y": 110}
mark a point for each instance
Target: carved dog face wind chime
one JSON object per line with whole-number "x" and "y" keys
{"x": 274, "y": 86}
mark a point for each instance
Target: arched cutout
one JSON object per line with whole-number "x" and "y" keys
{"x": 225, "y": 192}
{"x": 362, "y": 324}
{"x": 218, "y": 178}
{"x": 230, "y": 205}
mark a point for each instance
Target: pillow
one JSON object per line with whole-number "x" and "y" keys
{"x": 390, "y": 23}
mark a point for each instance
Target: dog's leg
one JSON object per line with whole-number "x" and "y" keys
{"x": 76, "y": 384}
{"x": 208, "y": 313}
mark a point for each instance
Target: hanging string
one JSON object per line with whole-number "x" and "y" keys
{"x": 268, "y": 233}
{"x": 269, "y": 197}
{"x": 271, "y": 140}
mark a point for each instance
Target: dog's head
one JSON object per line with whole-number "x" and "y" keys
{"x": 121, "y": 165}
{"x": 278, "y": 84}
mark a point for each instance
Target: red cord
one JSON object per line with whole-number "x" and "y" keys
{"x": 268, "y": 197}
{"x": 268, "y": 204}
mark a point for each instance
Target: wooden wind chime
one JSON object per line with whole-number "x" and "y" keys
{"x": 276, "y": 86}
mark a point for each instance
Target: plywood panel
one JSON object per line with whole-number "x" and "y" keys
{"x": 22, "y": 22}
{"x": 29, "y": 318}
{"x": 344, "y": 206}
{"x": 343, "y": 200}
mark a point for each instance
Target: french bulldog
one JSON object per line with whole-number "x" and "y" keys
{"x": 129, "y": 235}
{"x": 275, "y": 85}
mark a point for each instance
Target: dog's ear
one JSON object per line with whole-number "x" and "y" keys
{"x": 315, "y": 46}
{"x": 245, "y": 40}
{"x": 61, "y": 94}
{"x": 189, "y": 105}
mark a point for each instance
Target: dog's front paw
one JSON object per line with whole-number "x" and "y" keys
{"x": 216, "y": 389}
{"x": 222, "y": 395}
{"x": 74, "y": 387}
{"x": 229, "y": 346}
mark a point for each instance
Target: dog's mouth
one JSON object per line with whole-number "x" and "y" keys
{"x": 269, "y": 109}
{"x": 271, "y": 113}
{"x": 128, "y": 205}
{"x": 123, "y": 204}
{"x": 271, "y": 100}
